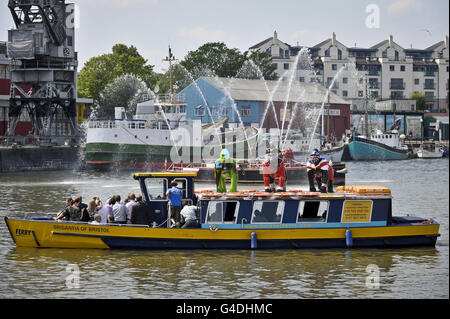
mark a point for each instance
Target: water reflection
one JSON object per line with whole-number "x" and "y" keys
{"x": 36, "y": 273}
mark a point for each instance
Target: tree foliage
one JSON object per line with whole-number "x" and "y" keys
{"x": 124, "y": 71}
{"x": 421, "y": 101}
{"x": 125, "y": 91}
{"x": 100, "y": 71}
{"x": 214, "y": 57}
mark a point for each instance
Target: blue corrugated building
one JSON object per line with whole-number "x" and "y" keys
{"x": 223, "y": 96}
{"x": 215, "y": 94}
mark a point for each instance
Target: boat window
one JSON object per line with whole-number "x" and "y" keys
{"x": 313, "y": 211}
{"x": 157, "y": 188}
{"x": 222, "y": 212}
{"x": 267, "y": 211}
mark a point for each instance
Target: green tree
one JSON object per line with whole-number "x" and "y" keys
{"x": 421, "y": 101}
{"x": 99, "y": 71}
{"x": 214, "y": 57}
{"x": 125, "y": 91}
{"x": 258, "y": 66}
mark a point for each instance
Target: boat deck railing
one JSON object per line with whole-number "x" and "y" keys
{"x": 241, "y": 164}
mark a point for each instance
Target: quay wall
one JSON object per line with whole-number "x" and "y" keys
{"x": 39, "y": 158}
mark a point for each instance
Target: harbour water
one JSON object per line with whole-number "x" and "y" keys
{"x": 419, "y": 187}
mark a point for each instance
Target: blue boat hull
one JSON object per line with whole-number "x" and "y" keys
{"x": 366, "y": 150}
{"x": 120, "y": 243}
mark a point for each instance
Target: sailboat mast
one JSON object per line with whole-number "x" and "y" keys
{"x": 366, "y": 116}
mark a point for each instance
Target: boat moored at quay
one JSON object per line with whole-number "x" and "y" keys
{"x": 353, "y": 216}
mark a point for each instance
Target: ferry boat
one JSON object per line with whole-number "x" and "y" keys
{"x": 354, "y": 216}
{"x": 159, "y": 132}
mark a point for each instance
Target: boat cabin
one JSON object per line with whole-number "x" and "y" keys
{"x": 364, "y": 206}
{"x": 154, "y": 187}
{"x": 392, "y": 139}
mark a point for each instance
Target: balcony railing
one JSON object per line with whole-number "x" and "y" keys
{"x": 397, "y": 86}
{"x": 429, "y": 86}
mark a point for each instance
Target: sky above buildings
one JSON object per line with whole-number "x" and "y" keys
{"x": 151, "y": 25}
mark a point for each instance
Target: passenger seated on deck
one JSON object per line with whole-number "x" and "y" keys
{"x": 60, "y": 216}
{"x": 72, "y": 213}
{"x": 97, "y": 220}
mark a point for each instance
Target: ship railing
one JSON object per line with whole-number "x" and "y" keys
{"x": 240, "y": 163}
{"x": 166, "y": 98}
{"x": 134, "y": 124}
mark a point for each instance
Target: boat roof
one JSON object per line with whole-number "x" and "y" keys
{"x": 166, "y": 174}
{"x": 353, "y": 192}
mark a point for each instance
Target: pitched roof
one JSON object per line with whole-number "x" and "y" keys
{"x": 261, "y": 43}
{"x": 260, "y": 90}
{"x": 435, "y": 46}
{"x": 376, "y": 46}
{"x": 321, "y": 43}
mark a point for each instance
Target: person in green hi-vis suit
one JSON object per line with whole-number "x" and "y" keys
{"x": 225, "y": 168}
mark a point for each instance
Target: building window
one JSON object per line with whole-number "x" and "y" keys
{"x": 344, "y": 93}
{"x": 360, "y": 93}
{"x": 373, "y": 83}
{"x": 397, "y": 84}
{"x": 345, "y": 80}
{"x": 334, "y": 67}
{"x": 392, "y": 67}
{"x": 339, "y": 55}
{"x": 69, "y": 41}
{"x": 246, "y": 111}
{"x": 302, "y": 79}
{"x": 286, "y": 66}
{"x": 199, "y": 111}
{"x": 429, "y": 84}
{"x": 402, "y": 68}
{"x": 275, "y": 65}
{"x": 416, "y": 81}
